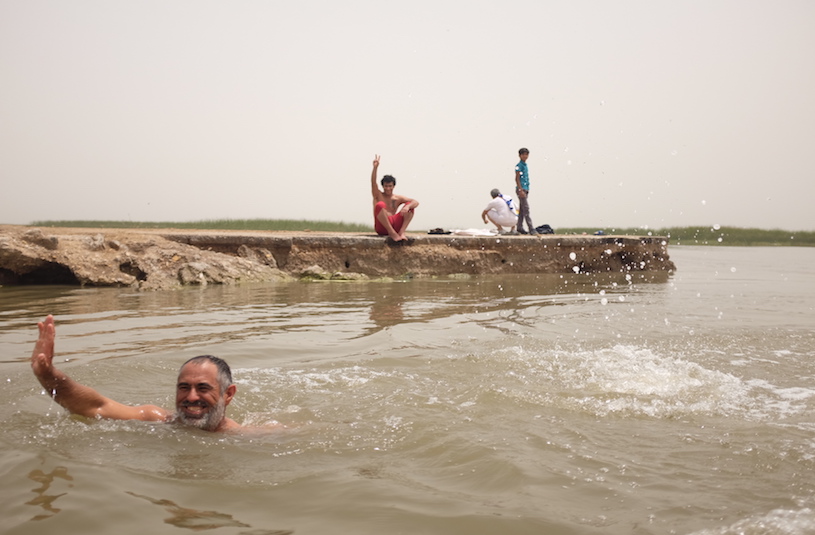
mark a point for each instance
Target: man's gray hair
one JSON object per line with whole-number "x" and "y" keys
{"x": 224, "y": 373}
{"x": 495, "y": 193}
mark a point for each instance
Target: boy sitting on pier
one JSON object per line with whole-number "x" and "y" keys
{"x": 389, "y": 219}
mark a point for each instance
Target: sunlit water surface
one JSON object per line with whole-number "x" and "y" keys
{"x": 530, "y": 404}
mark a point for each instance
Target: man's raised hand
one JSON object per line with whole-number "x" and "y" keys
{"x": 43, "y": 354}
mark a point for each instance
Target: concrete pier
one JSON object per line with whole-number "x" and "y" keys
{"x": 154, "y": 259}
{"x": 433, "y": 255}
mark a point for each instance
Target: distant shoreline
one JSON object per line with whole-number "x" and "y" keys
{"x": 691, "y": 235}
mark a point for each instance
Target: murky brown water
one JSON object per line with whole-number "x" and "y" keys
{"x": 511, "y": 405}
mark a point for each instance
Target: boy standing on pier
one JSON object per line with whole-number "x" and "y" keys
{"x": 389, "y": 219}
{"x": 522, "y": 189}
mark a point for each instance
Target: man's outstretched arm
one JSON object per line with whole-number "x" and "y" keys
{"x": 377, "y": 195}
{"x": 77, "y": 398}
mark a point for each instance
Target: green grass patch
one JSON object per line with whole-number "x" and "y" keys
{"x": 718, "y": 236}
{"x": 218, "y": 224}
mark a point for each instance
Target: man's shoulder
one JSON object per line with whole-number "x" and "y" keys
{"x": 228, "y": 425}
{"x": 145, "y": 413}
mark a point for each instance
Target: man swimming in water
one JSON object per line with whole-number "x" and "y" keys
{"x": 203, "y": 391}
{"x": 389, "y": 219}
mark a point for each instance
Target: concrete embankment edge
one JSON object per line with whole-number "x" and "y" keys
{"x": 167, "y": 258}
{"x": 434, "y": 255}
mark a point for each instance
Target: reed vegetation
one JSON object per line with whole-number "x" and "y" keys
{"x": 715, "y": 235}
{"x": 219, "y": 224}
{"x": 718, "y": 236}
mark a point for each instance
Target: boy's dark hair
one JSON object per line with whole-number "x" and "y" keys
{"x": 388, "y": 179}
{"x": 523, "y": 151}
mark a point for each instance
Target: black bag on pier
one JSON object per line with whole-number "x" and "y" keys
{"x": 545, "y": 229}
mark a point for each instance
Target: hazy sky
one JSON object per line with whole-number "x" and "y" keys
{"x": 636, "y": 113}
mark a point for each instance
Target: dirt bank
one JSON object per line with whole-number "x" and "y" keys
{"x": 155, "y": 259}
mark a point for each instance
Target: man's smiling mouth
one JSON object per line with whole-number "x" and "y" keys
{"x": 194, "y": 410}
